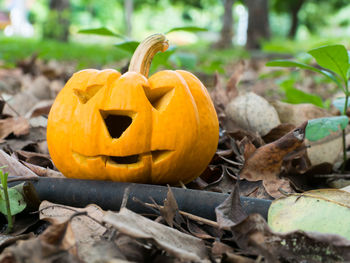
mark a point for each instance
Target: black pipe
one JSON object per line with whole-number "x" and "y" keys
{"x": 109, "y": 195}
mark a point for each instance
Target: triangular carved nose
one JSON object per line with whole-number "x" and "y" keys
{"x": 116, "y": 123}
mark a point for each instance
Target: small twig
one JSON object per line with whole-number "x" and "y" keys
{"x": 142, "y": 203}
{"x": 190, "y": 216}
{"x": 285, "y": 193}
{"x": 333, "y": 176}
{"x": 23, "y": 178}
{"x": 230, "y": 161}
{"x": 125, "y": 197}
{"x": 259, "y": 259}
{"x": 182, "y": 185}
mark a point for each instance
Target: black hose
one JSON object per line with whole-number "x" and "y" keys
{"x": 109, "y": 195}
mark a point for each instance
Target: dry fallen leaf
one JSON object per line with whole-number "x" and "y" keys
{"x": 17, "y": 125}
{"x": 41, "y": 108}
{"x": 85, "y": 228}
{"x": 266, "y": 162}
{"x": 13, "y": 166}
{"x": 55, "y": 244}
{"x": 221, "y": 95}
{"x": 180, "y": 245}
{"x": 230, "y": 212}
{"x": 43, "y": 172}
{"x": 254, "y": 235}
{"x": 22, "y": 103}
{"x": 170, "y": 208}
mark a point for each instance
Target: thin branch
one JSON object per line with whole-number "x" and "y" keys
{"x": 190, "y": 216}
{"x": 23, "y": 178}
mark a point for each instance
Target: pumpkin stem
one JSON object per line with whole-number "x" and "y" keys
{"x": 142, "y": 58}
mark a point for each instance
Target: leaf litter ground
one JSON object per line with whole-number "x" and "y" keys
{"x": 246, "y": 164}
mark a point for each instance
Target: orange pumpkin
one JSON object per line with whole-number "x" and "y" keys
{"x": 108, "y": 126}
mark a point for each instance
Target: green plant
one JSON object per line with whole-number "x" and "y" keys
{"x": 11, "y": 201}
{"x": 334, "y": 64}
{"x": 164, "y": 59}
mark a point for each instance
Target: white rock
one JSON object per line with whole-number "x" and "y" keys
{"x": 253, "y": 113}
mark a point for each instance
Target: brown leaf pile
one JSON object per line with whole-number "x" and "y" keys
{"x": 93, "y": 235}
{"x": 262, "y": 167}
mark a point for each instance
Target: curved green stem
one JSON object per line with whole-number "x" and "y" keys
{"x": 344, "y": 130}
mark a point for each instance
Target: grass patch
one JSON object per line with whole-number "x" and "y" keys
{"x": 86, "y": 55}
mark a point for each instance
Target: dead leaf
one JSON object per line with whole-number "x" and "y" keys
{"x": 266, "y": 162}
{"x": 55, "y": 87}
{"x": 231, "y": 88}
{"x": 248, "y": 147}
{"x": 85, "y": 228}
{"x": 22, "y": 103}
{"x": 170, "y": 208}
{"x": 10, "y": 81}
{"x": 43, "y": 172}
{"x": 132, "y": 249}
{"x": 230, "y": 212}
{"x": 39, "y": 87}
{"x": 278, "y": 132}
{"x": 180, "y": 245}
{"x": 18, "y": 126}
{"x": 7, "y": 240}
{"x": 13, "y": 166}
{"x": 56, "y": 244}
{"x": 218, "y": 95}
{"x": 101, "y": 251}
{"x": 196, "y": 231}
{"x": 223, "y": 183}
{"x": 240, "y": 134}
{"x": 219, "y": 248}
{"x": 41, "y": 108}
{"x": 254, "y": 235}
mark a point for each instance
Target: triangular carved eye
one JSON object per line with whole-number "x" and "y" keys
{"x": 116, "y": 123}
{"x": 159, "y": 97}
{"x": 85, "y": 94}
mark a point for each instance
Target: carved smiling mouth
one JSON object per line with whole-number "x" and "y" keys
{"x": 157, "y": 156}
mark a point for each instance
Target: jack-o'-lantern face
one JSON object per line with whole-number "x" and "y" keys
{"x": 108, "y": 126}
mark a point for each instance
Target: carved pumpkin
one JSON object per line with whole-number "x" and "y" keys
{"x": 108, "y": 126}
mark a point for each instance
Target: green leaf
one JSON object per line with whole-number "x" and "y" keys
{"x": 184, "y": 60}
{"x": 102, "y": 31}
{"x": 296, "y": 96}
{"x": 324, "y": 211}
{"x": 317, "y": 129}
{"x": 17, "y": 203}
{"x": 339, "y": 103}
{"x": 129, "y": 46}
{"x": 289, "y": 63}
{"x": 192, "y": 29}
{"x": 334, "y": 58}
{"x": 161, "y": 59}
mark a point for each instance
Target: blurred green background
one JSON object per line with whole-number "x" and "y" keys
{"x": 230, "y": 30}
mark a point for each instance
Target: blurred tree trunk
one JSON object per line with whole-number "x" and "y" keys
{"x": 128, "y": 10}
{"x": 226, "y": 33}
{"x": 58, "y": 22}
{"x": 258, "y": 22}
{"x": 294, "y": 11}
